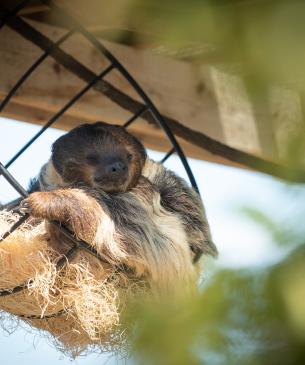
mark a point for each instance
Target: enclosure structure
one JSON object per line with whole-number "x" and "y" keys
{"x": 57, "y": 70}
{"x": 25, "y": 255}
{"x": 206, "y": 107}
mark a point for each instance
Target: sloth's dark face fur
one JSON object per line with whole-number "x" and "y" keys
{"x": 100, "y": 156}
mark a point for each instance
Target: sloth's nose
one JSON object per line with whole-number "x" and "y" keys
{"x": 116, "y": 168}
{"x": 113, "y": 170}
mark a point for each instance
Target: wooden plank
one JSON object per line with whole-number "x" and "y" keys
{"x": 33, "y": 9}
{"x": 203, "y": 99}
{"x": 51, "y": 85}
{"x": 151, "y": 137}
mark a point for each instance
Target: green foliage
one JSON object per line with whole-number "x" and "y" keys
{"x": 261, "y": 38}
{"x": 241, "y": 317}
{"x": 282, "y": 233}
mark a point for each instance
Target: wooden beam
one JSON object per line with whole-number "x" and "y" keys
{"x": 191, "y": 99}
{"x": 152, "y": 138}
{"x": 29, "y": 10}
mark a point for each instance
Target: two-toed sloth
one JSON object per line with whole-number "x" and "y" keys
{"x": 100, "y": 183}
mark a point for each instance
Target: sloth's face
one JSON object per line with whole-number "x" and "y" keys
{"x": 99, "y": 155}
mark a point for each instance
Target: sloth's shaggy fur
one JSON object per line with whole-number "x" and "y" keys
{"x": 153, "y": 223}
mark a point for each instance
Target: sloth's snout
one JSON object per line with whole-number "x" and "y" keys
{"x": 116, "y": 168}
{"x": 113, "y": 171}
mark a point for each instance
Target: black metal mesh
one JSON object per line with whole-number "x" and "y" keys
{"x": 145, "y": 106}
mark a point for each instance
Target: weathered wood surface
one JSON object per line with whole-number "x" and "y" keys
{"x": 206, "y": 100}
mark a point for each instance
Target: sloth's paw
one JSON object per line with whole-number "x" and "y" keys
{"x": 36, "y": 205}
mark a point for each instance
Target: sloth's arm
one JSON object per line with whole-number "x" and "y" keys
{"x": 72, "y": 207}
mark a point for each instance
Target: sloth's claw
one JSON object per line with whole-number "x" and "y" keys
{"x": 24, "y": 207}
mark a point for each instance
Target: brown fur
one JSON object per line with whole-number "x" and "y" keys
{"x": 153, "y": 223}
{"x": 83, "y": 154}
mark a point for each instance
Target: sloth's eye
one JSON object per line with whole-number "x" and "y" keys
{"x": 92, "y": 159}
{"x": 129, "y": 157}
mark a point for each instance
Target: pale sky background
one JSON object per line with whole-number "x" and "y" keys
{"x": 241, "y": 242}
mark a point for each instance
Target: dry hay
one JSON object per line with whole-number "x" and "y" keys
{"x": 90, "y": 294}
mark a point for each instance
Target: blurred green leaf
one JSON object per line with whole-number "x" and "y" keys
{"x": 279, "y": 233}
{"x": 263, "y": 37}
{"x": 241, "y": 317}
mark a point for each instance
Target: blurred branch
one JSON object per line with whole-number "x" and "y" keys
{"x": 126, "y": 102}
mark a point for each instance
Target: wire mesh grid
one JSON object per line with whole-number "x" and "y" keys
{"x": 145, "y": 106}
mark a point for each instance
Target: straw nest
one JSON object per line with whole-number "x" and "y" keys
{"x": 86, "y": 296}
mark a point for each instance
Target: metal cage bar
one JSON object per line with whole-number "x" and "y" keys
{"x": 98, "y": 45}
{"x": 13, "y": 11}
{"x": 168, "y": 155}
{"x": 32, "y": 68}
{"x": 151, "y": 107}
{"x": 59, "y": 114}
{"x": 135, "y": 116}
{"x": 147, "y": 107}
